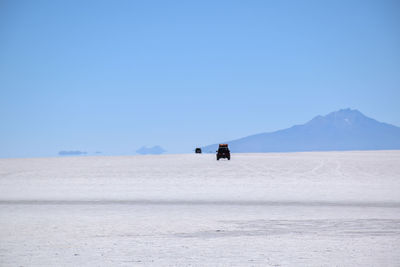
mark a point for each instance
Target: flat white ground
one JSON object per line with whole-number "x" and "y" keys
{"x": 289, "y": 209}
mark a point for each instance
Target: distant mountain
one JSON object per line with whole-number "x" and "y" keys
{"x": 72, "y": 153}
{"x": 345, "y": 129}
{"x": 150, "y": 150}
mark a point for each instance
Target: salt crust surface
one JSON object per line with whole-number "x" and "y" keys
{"x": 277, "y": 209}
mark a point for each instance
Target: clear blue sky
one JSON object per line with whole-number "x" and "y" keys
{"x": 113, "y": 76}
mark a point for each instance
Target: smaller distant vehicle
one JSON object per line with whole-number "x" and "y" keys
{"x": 223, "y": 152}
{"x": 197, "y": 150}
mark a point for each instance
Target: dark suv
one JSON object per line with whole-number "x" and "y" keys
{"x": 223, "y": 152}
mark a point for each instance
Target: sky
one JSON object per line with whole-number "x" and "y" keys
{"x": 113, "y": 76}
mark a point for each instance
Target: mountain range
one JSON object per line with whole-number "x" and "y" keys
{"x": 346, "y": 129}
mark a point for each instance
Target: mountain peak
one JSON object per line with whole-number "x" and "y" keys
{"x": 341, "y": 117}
{"x": 346, "y": 112}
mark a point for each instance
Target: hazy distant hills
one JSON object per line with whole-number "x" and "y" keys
{"x": 155, "y": 150}
{"x": 71, "y": 153}
{"x": 345, "y": 129}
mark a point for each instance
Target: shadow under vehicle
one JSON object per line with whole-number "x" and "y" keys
{"x": 223, "y": 152}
